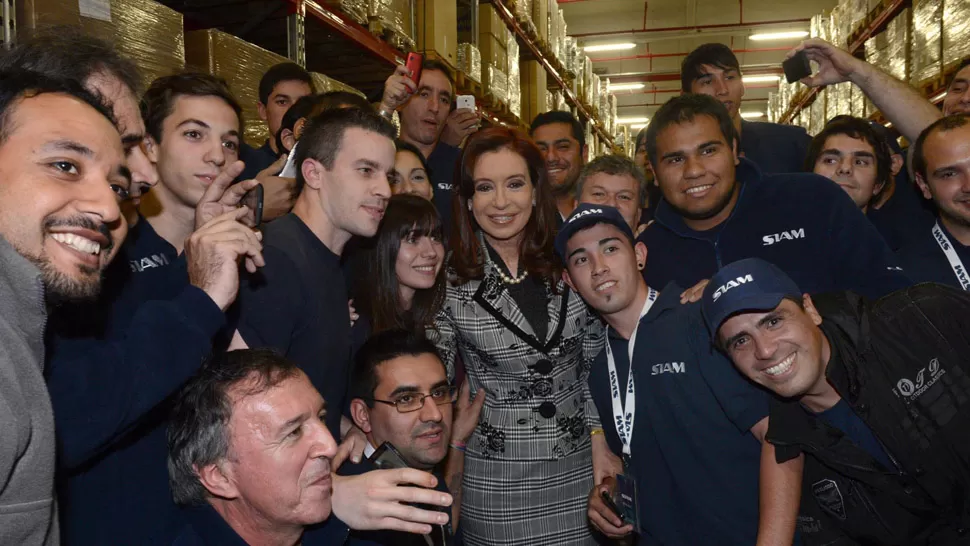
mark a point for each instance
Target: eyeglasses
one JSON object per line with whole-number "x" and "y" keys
{"x": 407, "y": 403}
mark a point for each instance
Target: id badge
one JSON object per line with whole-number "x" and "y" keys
{"x": 625, "y": 498}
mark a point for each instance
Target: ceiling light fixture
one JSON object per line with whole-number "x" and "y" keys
{"x": 749, "y": 115}
{"x": 627, "y": 121}
{"x": 779, "y": 35}
{"x": 761, "y": 79}
{"x": 609, "y": 47}
{"x": 626, "y": 86}
{"x": 637, "y": 126}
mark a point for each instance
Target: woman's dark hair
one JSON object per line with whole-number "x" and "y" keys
{"x": 378, "y": 288}
{"x": 535, "y": 251}
{"x": 402, "y": 146}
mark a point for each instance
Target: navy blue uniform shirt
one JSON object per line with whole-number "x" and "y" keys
{"x": 902, "y": 218}
{"x": 695, "y": 461}
{"x": 803, "y": 223}
{"x": 205, "y": 527}
{"x": 924, "y": 260}
{"x": 441, "y": 163}
{"x": 775, "y": 148}
{"x": 256, "y": 159}
{"x": 297, "y": 304}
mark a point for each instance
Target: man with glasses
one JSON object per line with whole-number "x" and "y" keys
{"x": 401, "y": 396}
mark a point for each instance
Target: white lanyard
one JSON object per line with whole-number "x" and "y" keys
{"x": 951, "y": 255}
{"x": 624, "y": 420}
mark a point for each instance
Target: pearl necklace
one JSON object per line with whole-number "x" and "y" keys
{"x": 509, "y": 280}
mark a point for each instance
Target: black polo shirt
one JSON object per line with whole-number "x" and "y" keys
{"x": 256, "y": 159}
{"x": 924, "y": 260}
{"x": 442, "y": 162}
{"x": 694, "y": 458}
{"x": 297, "y": 304}
{"x": 774, "y": 147}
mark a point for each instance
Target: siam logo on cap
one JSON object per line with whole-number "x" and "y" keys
{"x": 587, "y": 215}
{"x": 746, "y": 285}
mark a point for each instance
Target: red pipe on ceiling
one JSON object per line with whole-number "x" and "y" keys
{"x": 694, "y": 27}
{"x": 659, "y": 55}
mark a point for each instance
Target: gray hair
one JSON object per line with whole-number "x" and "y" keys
{"x": 198, "y": 430}
{"x": 616, "y": 165}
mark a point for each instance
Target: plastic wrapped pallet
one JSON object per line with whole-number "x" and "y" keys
{"x": 240, "y": 63}
{"x": 523, "y": 13}
{"x": 513, "y": 60}
{"x": 836, "y": 36}
{"x": 926, "y": 50}
{"x": 819, "y": 26}
{"x": 470, "y": 61}
{"x": 856, "y": 11}
{"x": 956, "y": 31}
{"x": 515, "y": 95}
{"x": 817, "y": 113}
{"x": 356, "y": 9}
{"x": 562, "y": 35}
{"x": 859, "y": 108}
{"x": 326, "y": 84}
{"x": 395, "y": 15}
{"x": 552, "y": 24}
{"x": 493, "y": 51}
{"x": 540, "y": 16}
{"x": 496, "y": 83}
{"x": 889, "y": 50}
{"x": 588, "y": 80}
{"x": 594, "y": 98}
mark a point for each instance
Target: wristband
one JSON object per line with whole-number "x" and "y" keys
{"x": 385, "y": 113}
{"x": 596, "y": 431}
{"x": 460, "y": 446}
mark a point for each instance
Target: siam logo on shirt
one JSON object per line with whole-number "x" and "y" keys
{"x": 668, "y": 367}
{"x": 789, "y": 235}
{"x": 148, "y": 262}
{"x": 445, "y": 186}
{"x": 925, "y": 378}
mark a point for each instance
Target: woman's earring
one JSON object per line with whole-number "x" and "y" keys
{"x": 533, "y": 201}
{"x": 469, "y": 206}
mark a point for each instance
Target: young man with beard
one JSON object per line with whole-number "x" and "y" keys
{"x": 718, "y": 208}
{"x": 429, "y": 123}
{"x": 712, "y": 69}
{"x": 560, "y": 138}
{"x": 694, "y": 444}
{"x": 875, "y": 397}
{"x": 941, "y": 162}
{"x": 61, "y": 170}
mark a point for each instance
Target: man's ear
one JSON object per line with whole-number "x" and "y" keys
{"x": 313, "y": 173}
{"x": 288, "y": 138}
{"x": 261, "y": 110}
{"x": 568, "y": 280}
{"x": 217, "y": 479}
{"x": 924, "y": 188}
{"x": 809, "y": 306}
{"x": 640, "y": 250}
{"x": 734, "y": 148}
{"x": 360, "y": 413}
{"x": 897, "y": 164}
{"x": 151, "y": 149}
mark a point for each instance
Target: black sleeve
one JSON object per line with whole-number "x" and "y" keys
{"x": 268, "y": 309}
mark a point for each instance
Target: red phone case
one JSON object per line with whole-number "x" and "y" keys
{"x": 413, "y": 65}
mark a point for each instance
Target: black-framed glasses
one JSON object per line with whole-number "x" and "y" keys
{"x": 409, "y": 402}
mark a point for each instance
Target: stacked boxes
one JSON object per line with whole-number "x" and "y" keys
{"x": 394, "y": 15}
{"x": 356, "y": 9}
{"x": 817, "y": 117}
{"x": 437, "y": 29}
{"x": 326, "y": 84}
{"x": 523, "y": 13}
{"x": 540, "y": 16}
{"x": 496, "y": 83}
{"x": 493, "y": 38}
{"x": 470, "y": 61}
{"x": 515, "y": 80}
{"x": 889, "y": 50}
{"x": 240, "y": 63}
{"x": 926, "y": 53}
{"x": 956, "y": 31}
{"x": 536, "y": 98}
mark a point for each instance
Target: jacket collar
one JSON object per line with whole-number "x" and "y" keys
{"x": 846, "y": 327}
{"x": 746, "y": 173}
{"x": 211, "y": 527}
{"x": 22, "y": 303}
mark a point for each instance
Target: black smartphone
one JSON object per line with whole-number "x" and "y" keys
{"x": 387, "y": 457}
{"x": 797, "y": 67}
{"x": 608, "y": 499}
{"x": 254, "y": 200}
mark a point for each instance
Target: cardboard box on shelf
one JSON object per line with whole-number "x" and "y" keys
{"x": 493, "y": 51}
{"x": 496, "y": 83}
{"x": 926, "y": 53}
{"x": 490, "y": 23}
{"x": 437, "y": 30}
{"x": 540, "y": 14}
{"x": 536, "y": 98}
{"x": 395, "y": 15}
{"x": 241, "y": 64}
{"x": 470, "y": 61}
{"x": 326, "y": 84}
{"x": 956, "y": 31}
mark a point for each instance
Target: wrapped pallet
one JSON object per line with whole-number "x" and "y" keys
{"x": 355, "y": 9}
{"x": 515, "y": 79}
{"x": 561, "y": 55}
{"x": 836, "y": 36}
{"x": 817, "y": 115}
{"x": 956, "y": 31}
{"x": 326, "y": 84}
{"x": 493, "y": 37}
{"x": 496, "y": 83}
{"x": 856, "y": 11}
{"x": 926, "y": 54}
{"x": 858, "y": 100}
{"x": 552, "y": 24}
{"x": 819, "y": 26}
{"x": 396, "y": 16}
{"x": 240, "y": 63}
{"x": 470, "y": 61}
{"x": 540, "y": 16}
{"x": 523, "y": 13}
{"x": 594, "y": 99}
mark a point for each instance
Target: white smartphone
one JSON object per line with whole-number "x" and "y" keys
{"x": 466, "y": 102}
{"x": 289, "y": 169}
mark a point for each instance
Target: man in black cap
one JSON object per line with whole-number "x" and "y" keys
{"x": 690, "y": 429}
{"x": 877, "y": 398}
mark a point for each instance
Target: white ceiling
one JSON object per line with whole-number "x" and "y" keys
{"x": 656, "y": 58}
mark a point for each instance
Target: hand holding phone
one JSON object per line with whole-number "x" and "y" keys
{"x": 387, "y": 457}
{"x": 797, "y": 67}
{"x": 465, "y": 102}
{"x": 413, "y": 64}
{"x": 254, "y": 200}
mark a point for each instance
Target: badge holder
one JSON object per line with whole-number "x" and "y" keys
{"x": 625, "y": 498}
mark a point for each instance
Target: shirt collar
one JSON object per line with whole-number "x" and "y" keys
{"x": 212, "y": 528}
{"x": 746, "y": 173}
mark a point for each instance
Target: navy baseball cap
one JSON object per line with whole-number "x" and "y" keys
{"x": 588, "y": 215}
{"x": 751, "y": 284}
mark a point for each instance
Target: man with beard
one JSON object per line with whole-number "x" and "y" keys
{"x": 61, "y": 172}
{"x": 957, "y": 99}
{"x": 717, "y": 208}
{"x": 429, "y": 123}
{"x": 712, "y": 69}
{"x": 560, "y": 138}
{"x": 941, "y": 162}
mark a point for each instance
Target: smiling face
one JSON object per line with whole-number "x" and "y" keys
{"x": 782, "y": 349}
{"x": 502, "y": 202}
{"x": 280, "y": 450}
{"x": 418, "y": 263}
{"x": 61, "y": 170}
{"x": 850, "y": 163}
{"x": 563, "y": 153}
{"x": 957, "y": 100}
{"x": 724, "y": 85}
{"x": 421, "y": 436}
{"x": 695, "y": 171}
{"x": 424, "y": 115}
{"x": 410, "y": 176}
{"x": 620, "y": 191}
{"x": 199, "y": 138}
{"x": 601, "y": 265}
{"x": 947, "y": 180}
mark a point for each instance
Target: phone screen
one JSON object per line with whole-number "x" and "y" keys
{"x": 388, "y": 457}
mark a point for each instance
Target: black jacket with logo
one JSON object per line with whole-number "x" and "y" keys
{"x": 902, "y": 365}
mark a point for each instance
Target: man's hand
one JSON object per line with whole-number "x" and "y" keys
{"x": 694, "y": 293}
{"x": 398, "y": 88}
{"x": 835, "y": 65}
{"x": 467, "y": 412}
{"x": 222, "y": 196}
{"x": 460, "y": 124}
{"x": 605, "y": 463}
{"x": 279, "y": 194}
{"x": 213, "y": 253}
{"x": 375, "y": 500}
{"x": 601, "y": 516}
{"x": 351, "y": 447}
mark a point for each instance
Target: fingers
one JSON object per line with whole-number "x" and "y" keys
{"x": 415, "y": 495}
{"x": 343, "y": 452}
{"x": 464, "y": 394}
{"x": 275, "y": 168}
{"x": 479, "y": 401}
{"x": 409, "y": 518}
{"x": 234, "y": 195}
{"x": 415, "y": 477}
{"x": 222, "y": 182}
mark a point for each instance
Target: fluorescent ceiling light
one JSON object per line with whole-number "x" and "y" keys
{"x": 637, "y": 126}
{"x": 626, "y": 86}
{"x": 779, "y": 35}
{"x": 626, "y": 121}
{"x": 761, "y": 79}
{"x": 609, "y": 47}
{"x": 747, "y": 115}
